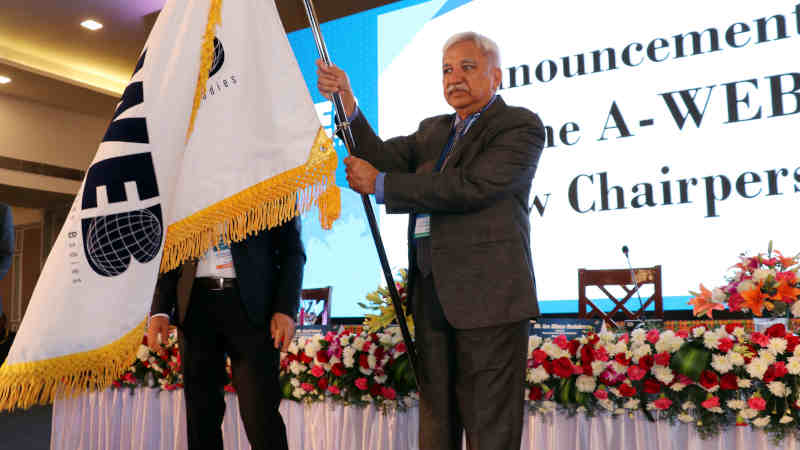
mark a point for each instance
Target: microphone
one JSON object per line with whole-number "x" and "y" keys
{"x": 635, "y": 283}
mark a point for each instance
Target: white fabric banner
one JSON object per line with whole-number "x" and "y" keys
{"x": 149, "y": 419}
{"x": 254, "y": 159}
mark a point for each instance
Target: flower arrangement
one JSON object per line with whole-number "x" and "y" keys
{"x": 381, "y": 302}
{"x": 152, "y": 369}
{"x": 709, "y": 378}
{"x": 765, "y": 284}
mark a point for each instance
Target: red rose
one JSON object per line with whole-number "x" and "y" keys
{"x": 539, "y": 356}
{"x": 561, "y": 341}
{"x": 535, "y": 394}
{"x": 601, "y": 394}
{"x": 573, "y": 347}
{"x": 663, "y": 403}
{"x": 322, "y": 356}
{"x": 792, "y": 341}
{"x": 548, "y": 366}
{"x": 646, "y": 362}
{"x": 375, "y": 390}
{"x": 776, "y": 331}
{"x": 322, "y": 384}
{"x": 708, "y": 379}
{"x": 562, "y": 367}
{"x": 587, "y": 354}
{"x": 730, "y": 327}
{"x": 652, "y": 386}
{"x": 363, "y": 361}
{"x": 379, "y": 352}
{"x": 338, "y": 369}
{"x": 725, "y": 345}
{"x": 600, "y": 354}
{"x": 712, "y": 402}
{"x": 662, "y": 359}
{"x": 621, "y": 360}
{"x": 729, "y": 382}
{"x": 388, "y": 393}
{"x": 759, "y": 338}
{"x": 305, "y": 359}
{"x": 626, "y": 390}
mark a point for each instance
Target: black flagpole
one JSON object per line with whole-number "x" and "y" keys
{"x": 350, "y": 144}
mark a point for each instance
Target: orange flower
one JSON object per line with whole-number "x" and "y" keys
{"x": 754, "y": 299}
{"x": 785, "y": 262}
{"x": 786, "y": 292}
{"x": 703, "y": 304}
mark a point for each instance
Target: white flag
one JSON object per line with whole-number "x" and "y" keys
{"x": 215, "y": 137}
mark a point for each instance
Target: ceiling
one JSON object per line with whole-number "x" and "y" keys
{"x": 53, "y": 60}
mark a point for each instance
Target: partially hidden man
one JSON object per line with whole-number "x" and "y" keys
{"x": 465, "y": 178}
{"x": 239, "y": 301}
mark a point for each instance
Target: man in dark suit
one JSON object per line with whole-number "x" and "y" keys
{"x": 223, "y": 303}
{"x": 465, "y": 178}
{"x": 6, "y": 255}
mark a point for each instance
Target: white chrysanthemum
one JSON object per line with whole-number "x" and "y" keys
{"x": 767, "y": 356}
{"x": 721, "y": 363}
{"x": 796, "y": 310}
{"x": 385, "y": 338}
{"x": 631, "y": 404}
{"x": 606, "y": 403}
{"x": 143, "y": 353}
{"x": 296, "y": 367}
{"x": 538, "y": 375}
{"x": 364, "y": 371}
{"x": 371, "y": 361}
{"x": 534, "y": 342}
{"x": 739, "y": 332}
{"x": 699, "y": 331}
{"x": 711, "y": 340}
{"x": 585, "y": 383}
{"x": 358, "y": 343}
{"x": 638, "y": 336}
{"x": 668, "y": 342}
{"x": 554, "y": 351}
{"x": 786, "y": 419}
{"x": 640, "y": 351}
{"x": 756, "y": 368}
{"x": 744, "y": 383}
{"x": 344, "y": 340}
{"x": 607, "y": 336}
{"x": 348, "y": 358}
{"x": 761, "y": 275}
{"x": 293, "y": 347}
{"x": 716, "y": 410}
{"x": 793, "y": 364}
{"x": 778, "y": 389}
{"x": 687, "y": 405}
{"x": 620, "y": 347}
{"x": 685, "y": 418}
{"x": 598, "y": 367}
{"x": 618, "y": 368}
{"x": 735, "y": 358}
{"x": 736, "y": 404}
{"x": 746, "y": 285}
{"x": 748, "y": 413}
{"x": 294, "y": 382}
{"x": 298, "y": 392}
{"x": 718, "y": 295}
{"x": 677, "y": 387}
{"x": 777, "y": 346}
{"x": 761, "y": 422}
{"x": 663, "y": 374}
{"x": 381, "y": 379}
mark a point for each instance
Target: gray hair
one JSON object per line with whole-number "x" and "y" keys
{"x": 486, "y": 45}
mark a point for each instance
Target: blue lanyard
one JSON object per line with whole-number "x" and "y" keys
{"x": 469, "y": 121}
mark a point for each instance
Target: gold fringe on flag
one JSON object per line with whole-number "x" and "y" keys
{"x": 262, "y": 206}
{"x": 23, "y": 385}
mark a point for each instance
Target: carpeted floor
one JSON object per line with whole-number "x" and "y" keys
{"x": 26, "y": 429}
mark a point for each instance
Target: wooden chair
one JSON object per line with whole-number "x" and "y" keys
{"x": 317, "y": 295}
{"x": 602, "y": 279}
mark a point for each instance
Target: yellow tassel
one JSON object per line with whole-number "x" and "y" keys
{"x": 265, "y": 205}
{"x": 23, "y": 385}
{"x": 206, "y": 59}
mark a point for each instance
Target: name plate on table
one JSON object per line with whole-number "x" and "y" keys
{"x": 571, "y": 328}
{"x": 310, "y": 330}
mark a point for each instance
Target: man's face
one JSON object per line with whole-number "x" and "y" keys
{"x": 469, "y": 80}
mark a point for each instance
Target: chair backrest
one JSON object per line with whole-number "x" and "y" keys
{"x": 317, "y": 296}
{"x": 623, "y": 278}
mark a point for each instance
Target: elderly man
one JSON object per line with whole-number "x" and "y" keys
{"x": 465, "y": 178}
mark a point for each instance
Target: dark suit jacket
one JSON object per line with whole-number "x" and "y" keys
{"x": 6, "y": 244}
{"x": 269, "y": 271}
{"x": 480, "y": 225}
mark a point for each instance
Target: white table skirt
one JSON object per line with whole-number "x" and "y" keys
{"x": 150, "y": 419}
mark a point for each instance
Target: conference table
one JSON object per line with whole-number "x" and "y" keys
{"x": 152, "y": 419}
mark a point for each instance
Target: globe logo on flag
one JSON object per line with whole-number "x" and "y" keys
{"x": 219, "y": 58}
{"x": 112, "y": 240}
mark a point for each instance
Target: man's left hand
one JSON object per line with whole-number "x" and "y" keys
{"x": 281, "y": 327}
{"x": 361, "y": 175}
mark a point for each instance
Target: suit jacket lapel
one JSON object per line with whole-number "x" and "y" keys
{"x": 457, "y": 153}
